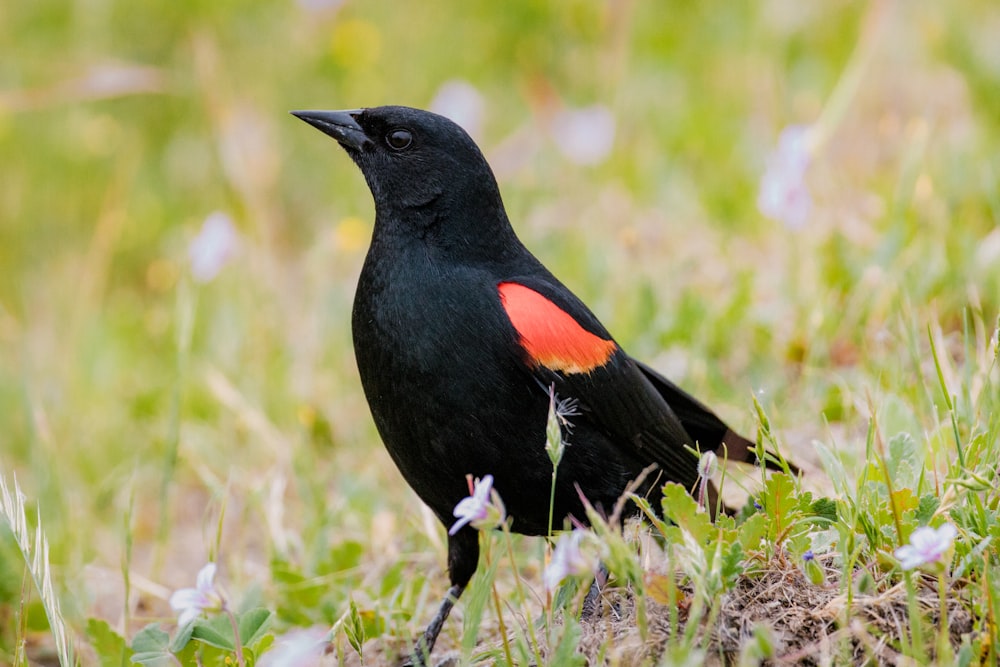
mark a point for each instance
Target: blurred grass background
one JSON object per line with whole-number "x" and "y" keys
{"x": 124, "y": 125}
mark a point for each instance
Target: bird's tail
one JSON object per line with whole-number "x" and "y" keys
{"x": 707, "y": 429}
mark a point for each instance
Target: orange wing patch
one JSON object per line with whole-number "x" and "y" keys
{"x": 550, "y": 336}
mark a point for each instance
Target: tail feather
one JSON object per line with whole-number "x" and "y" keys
{"x": 706, "y": 428}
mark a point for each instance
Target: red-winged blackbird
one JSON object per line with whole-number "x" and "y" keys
{"x": 459, "y": 331}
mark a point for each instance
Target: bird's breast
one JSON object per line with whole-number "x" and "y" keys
{"x": 440, "y": 367}
{"x": 431, "y": 335}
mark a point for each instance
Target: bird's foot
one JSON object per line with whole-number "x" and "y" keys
{"x": 422, "y": 651}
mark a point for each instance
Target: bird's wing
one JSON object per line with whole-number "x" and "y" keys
{"x": 698, "y": 420}
{"x": 563, "y": 343}
{"x": 707, "y": 428}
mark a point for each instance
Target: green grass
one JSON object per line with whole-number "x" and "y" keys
{"x": 154, "y": 423}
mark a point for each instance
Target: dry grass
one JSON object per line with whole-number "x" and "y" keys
{"x": 808, "y": 624}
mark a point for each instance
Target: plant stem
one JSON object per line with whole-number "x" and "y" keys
{"x": 916, "y": 622}
{"x": 503, "y": 627}
{"x": 187, "y": 300}
{"x": 552, "y": 497}
{"x": 944, "y": 645}
{"x": 520, "y": 590}
{"x": 236, "y": 639}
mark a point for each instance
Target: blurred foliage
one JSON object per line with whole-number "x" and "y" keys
{"x": 123, "y": 125}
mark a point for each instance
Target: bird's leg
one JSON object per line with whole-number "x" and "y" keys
{"x": 422, "y": 651}
{"x": 463, "y": 557}
{"x": 591, "y": 603}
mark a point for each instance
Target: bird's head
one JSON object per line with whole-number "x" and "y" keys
{"x": 423, "y": 169}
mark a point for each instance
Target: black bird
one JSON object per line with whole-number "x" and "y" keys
{"x": 459, "y": 331}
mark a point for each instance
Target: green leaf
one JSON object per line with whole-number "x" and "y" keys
{"x": 197, "y": 654}
{"x": 110, "y": 647}
{"x": 373, "y": 622}
{"x": 566, "y": 651}
{"x": 973, "y": 558}
{"x": 150, "y": 639}
{"x": 967, "y": 652}
{"x": 263, "y": 645}
{"x": 297, "y": 593}
{"x": 182, "y": 637}
{"x": 253, "y": 624}
{"x": 478, "y": 598}
{"x": 903, "y": 460}
{"x": 150, "y": 647}
{"x": 344, "y": 556}
{"x": 566, "y": 593}
{"x": 824, "y": 508}
{"x": 779, "y": 502}
{"x": 732, "y": 564}
{"x": 393, "y": 579}
{"x": 929, "y": 504}
{"x": 798, "y": 544}
{"x": 216, "y": 631}
{"x": 760, "y": 646}
{"x": 904, "y": 500}
{"x": 752, "y": 531}
{"x": 681, "y": 508}
{"x": 154, "y": 659}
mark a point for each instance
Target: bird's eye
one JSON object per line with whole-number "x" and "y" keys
{"x": 399, "y": 139}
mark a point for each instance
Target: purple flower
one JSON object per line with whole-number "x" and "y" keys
{"x": 483, "y": 509}
{"x": 320, "y": 6}
{"x": 585, "y": 136}
{"x": 808, "y": 555}
{"x": 461, "y": 102}
{"x": 192, "y": 602}
{"x": 784, "y": 195}
{"x": 568, "y": 559}
{"x": 213, "y": 247}
{"x": 927, "y": 545}
{"x": 297, "y": 648}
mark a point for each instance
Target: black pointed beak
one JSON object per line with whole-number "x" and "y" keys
{"x": 341, "y": 125}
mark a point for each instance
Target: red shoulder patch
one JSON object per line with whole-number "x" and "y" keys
{"x": 550, "y": 335}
